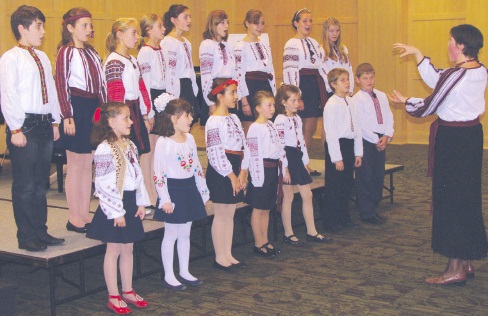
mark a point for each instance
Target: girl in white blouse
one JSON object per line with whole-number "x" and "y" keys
{"x": 265, "y": 146}
{"x": 289, "y": 126}
{"x": 254, "y": 65}
{"x": 120, "y": 189}
{"x": 303, "y": 67}
{"x": 216, "y": 57}
{"x": 180, "y": 75}
{"x": 181, "y": 187}
{"x": 151, "y": 62}
{"x": 228, "y": 161}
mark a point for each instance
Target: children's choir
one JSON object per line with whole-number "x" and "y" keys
{"x": 151, "y": 110}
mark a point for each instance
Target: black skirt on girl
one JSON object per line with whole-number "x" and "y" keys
{"x": 103, "y": 229}
{"x": 186, "y": 93}
{"x": 253, "y": 87}
{"x": 264, "y": 198}
{"x": 157, "y": 116}
{"x": 220, "y": 187}
{"x": 298, "y": 173}
{"x": 138, "y": 131}
{"x": 188, "y": 203}
{"x": 310, "y": 97}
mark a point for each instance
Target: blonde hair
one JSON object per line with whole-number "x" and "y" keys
{"x": 283, "y": 94}
{"x": 329, "y": 51}
{"x": 147, "y": 22}
{"x": 214, "y": 18}
{"x": 122, "y": 25}
{"x": 334, "y": 74}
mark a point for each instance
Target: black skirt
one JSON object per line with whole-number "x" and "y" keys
{"x": 103, "y": 229}
{"x": 188, "y": 203}
{"x": 458, "y": 230}
{"x": 264, "y": 197}
{"x": 310, "y": 97}
{"x": 138, "y": 131}
{"x": 157, "y": 116}
{"x": 253, "y": 87}
{"x": 298, "y": 173}
{"x": 220, "y": 187}
{"x": 83, "y": 110}
{"x": 186, "y": 93}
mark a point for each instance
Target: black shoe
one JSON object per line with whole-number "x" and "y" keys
{"x": 223, "y": 268}
{"x": 240, "y": 264}
{"x": 49, "y": 240}
{"x": 373, "y": 220}
{"x": 272, "y": 250}
{"x": 288, "y": 240}
{"x": 32, "y": 245}
{"x": 177, "y": 288}
{"x": 349, "y": 225}
{"x": 319, "y": 238}
{"x": 381, "y": 218}
{"x": 263, "y": 252}
{"x": 197, "y": 282}
{"x": 315, "y": 173}
{"x": 72, "y": 228}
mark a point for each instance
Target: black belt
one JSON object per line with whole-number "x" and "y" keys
{"x": 39, "y": 117}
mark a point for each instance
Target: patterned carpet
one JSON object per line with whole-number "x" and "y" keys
{"x": 372, "y": 270}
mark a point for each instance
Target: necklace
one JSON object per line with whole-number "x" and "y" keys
{"x": 466, "y": 61}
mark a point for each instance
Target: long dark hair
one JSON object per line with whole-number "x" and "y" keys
{"x": 176, "y": 107}
{"x": 101, "y": 130}
{"x": 66, "y": 36}
{"x": 173, "y": 12}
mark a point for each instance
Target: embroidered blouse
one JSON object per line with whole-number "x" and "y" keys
{"x": 341, "y": 121}
{"x": 458, "y": 93}
{"x": 79, "y": 68}
{"x": 369, "y": 117}
{"x": 124, "y": 82}
{"x": 20, "y": 87}
{"x": 253, "y": 56}
{"x": 221, "y": 133}
{"x": 216, "y": 61}
{"x": 177, "y": 58}
{"x": 299, "y": 54}
{"x": 330, "y": 64}
{"x": 151, "y": 62}
{"x": 264, "y": 142}
{"x": 291, "y": 134}
{"x": 173, "y": 160}
{"x": 116, "y": 171}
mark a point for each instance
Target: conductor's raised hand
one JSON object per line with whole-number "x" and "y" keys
{"x": 397, "y": 97}
{"x": 406, "y": 50}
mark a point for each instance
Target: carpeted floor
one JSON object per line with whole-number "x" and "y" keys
{"x": 372, "y": 270}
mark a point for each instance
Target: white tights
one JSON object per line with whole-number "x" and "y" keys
{"x": 173, "y": 232}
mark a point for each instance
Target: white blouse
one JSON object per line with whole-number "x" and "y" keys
{"x": 178, "y": 63}
{"x": 368, "y": 118}
{"x": 106, "y": 179}
{"x": 20, "y": 87}
{"x": 173, "y": 160}
{"x": 221, "y": 133}
{"x": 341, "y": 121}
{"x": 253, "y": 56}
{"x": 297, "y": 56}
{"x": 215, "y": 62}
{"x": 264, "y": 142}
{"x": 152, "y": 65}
{"x": 459, "y": 97}
{"x": 291, "y": 134}
{"x": 330, "y": 64}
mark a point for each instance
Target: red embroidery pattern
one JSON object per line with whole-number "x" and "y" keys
{"x": 253, "y": 146}
{"x": 213, "y": 137}
{"x": 103, "y": 165}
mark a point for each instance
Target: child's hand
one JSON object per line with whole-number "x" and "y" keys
{"x": 234, "y": 181}
{"x": 119, "y": 221}
{"x": 246, "y": 109}
{"x": 339, "y": 165}
{"x": 141, "y": 212}
{"x": 69, "y": 126}
{"x": 286, "y": 177}
{"x": 358, "y": 162}
{"x": 18, "y": 140}
{"x": 168, "y": 207}
{"x": 301, "y": 105}
{"x": 381, "y": 144}
{"x": 151, "y": 122}
{"x": 55, "y": 133}
{"x": 242, "y": 179}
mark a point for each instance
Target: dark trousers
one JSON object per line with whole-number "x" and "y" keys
{"x": 338, "y": 185}
{"x": 31, "y": 167}
{"x": 369, "y": 180}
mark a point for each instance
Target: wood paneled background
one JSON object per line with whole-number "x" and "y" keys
{"x": 369, "y": 28}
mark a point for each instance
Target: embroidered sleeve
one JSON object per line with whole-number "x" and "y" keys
{"x": 290, "y": 65}
{"x": 449, "y": 78}
{"x": 62, "y": 75}
{"x": 256, "y": 167}
{"x": 198, "y": 172}
{"x": 105, "y": 183}
{"x": 280, "y": 129}
{"x": 170, "y": 54}
{"x": 215, "y": 148}
{"x": 160, "y": 171}
{"x": 146, "y": 107}
{"x": 241, "y": 69}
{"x": 206, "y": 67}
{"x": 98, "y": 84}
{"x": 113, "y": 72}
{"x": 330, "y": 133}
{"x": 143, "y": 59}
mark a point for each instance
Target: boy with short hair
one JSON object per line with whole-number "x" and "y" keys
{"x": 30, "y": 106}
{"x": 376, "y": 122}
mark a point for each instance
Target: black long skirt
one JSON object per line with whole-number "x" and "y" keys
{"x": 186, "y": 93}
{"x": 138, "y": 131}
{"x": 458, "y": 230}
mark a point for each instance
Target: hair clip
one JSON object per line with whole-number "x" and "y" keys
{"x": 162, "y": 101}
{"x": 97, "y": 114}
{"x": 298, "y": 12}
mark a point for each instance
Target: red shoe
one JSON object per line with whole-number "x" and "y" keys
{"x": 121, "y": 310}
{"x": 139, "y": 302}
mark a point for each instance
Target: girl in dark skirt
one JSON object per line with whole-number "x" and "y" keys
{"x": 289, "y": 126}
{"x": 81, "y": 87}
{"x": 120, "y": 189}
{"x": 228, "y": 160}
{"x": 264, "y": 144}
{"x": 181, "y": 187}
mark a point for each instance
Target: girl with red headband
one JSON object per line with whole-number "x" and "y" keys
{"x": 228, "y": 161}
{"x": 81, "y": 87}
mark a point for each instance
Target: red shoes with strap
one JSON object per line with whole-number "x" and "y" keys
{"x": 139, "y": 302}
{"x": 121, "y": 310}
